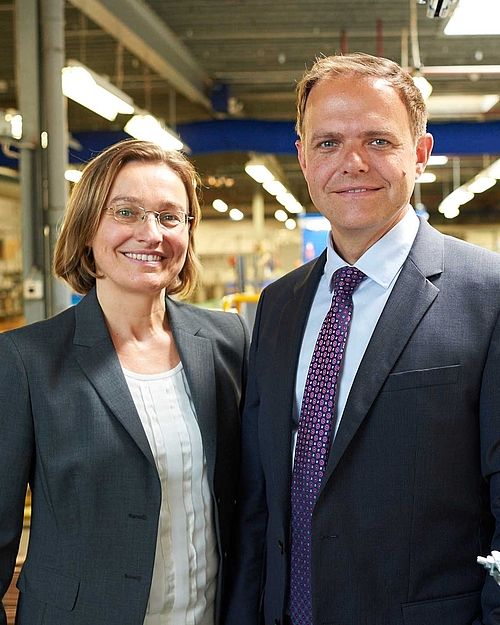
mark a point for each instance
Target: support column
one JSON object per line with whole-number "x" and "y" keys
{"x": 55, "y": 118}
{"x": 258, "y": 214}
{"x": 27, "y": 64}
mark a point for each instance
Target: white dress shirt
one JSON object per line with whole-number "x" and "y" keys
{"x": 381, "y": 263}
{"x": 185, "y": 567}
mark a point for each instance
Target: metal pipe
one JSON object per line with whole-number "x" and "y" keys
{"x": 28, "y": 94}
{"x": 52, "y": 22}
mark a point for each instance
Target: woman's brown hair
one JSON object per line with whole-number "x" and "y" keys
{"x": 73, "y": 257}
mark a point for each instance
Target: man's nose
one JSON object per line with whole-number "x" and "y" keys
{"x": 355, "y": 160}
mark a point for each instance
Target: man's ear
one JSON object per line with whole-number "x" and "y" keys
{"x": 423, "y": 151}
{"x": 300, "y": 155}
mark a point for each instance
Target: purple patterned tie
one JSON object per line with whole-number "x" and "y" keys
{"x": 314, "y": 436}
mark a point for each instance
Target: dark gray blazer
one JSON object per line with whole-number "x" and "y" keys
{"x": 68, "y": 425}
{"x": 412, "y": 490}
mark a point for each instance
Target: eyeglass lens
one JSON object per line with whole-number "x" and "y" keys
{"x": 130, "y": 214}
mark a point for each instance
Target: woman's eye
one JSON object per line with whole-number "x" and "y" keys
{"x": 125, "y": 212}
{"x": 169, "y": 218}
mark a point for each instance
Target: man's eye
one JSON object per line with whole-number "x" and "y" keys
{"x": 328, "y": 143}
{"x": 380, "y": 142}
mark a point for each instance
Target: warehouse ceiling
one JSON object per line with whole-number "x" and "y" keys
{"x": 195, "y": 61}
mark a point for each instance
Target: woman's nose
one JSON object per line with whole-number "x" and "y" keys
{"x": 149, "y": 227}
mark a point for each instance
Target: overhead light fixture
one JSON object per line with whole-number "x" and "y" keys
{"x": 11, "y": 124}
{"x": 290, "y": 224}
{"x": 235, "y": 214}
{"x": 494, "y": 169}
{"x": 220, "y": 206}
{"x": 259, "y": 168}
{"x": 475, "y": 17}
{"x": 259, "y": 172}
{"x": 481, "y": 183}
{"x": 436, "y": 159}
{"x": 440, "y": 8}
{"x": 94, "y": 92}
{"x": 147, "y": 128}
{"x": 426, "y": 177}
{"x": 281, "y": 215}
{"x": 447, "y": 105}
{"x": 73, "y": 175}
{"x": 274, "y": 187}
{"x": 450, "y": 205}
{"x": 423, "y": 85}
{"x": 451, "y": 212}
{"x": 285, "y": 199}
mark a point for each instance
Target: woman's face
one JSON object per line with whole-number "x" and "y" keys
{"x": 142, "y": 257}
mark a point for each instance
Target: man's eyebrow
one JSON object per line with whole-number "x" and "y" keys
{"x": 326, "y": 134}
{"x": 380, "y": 132}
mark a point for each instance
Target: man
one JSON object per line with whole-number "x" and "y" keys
{"x": 378, "y": 517}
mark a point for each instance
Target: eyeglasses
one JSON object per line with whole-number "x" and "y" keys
{"x": 131, "y": 214}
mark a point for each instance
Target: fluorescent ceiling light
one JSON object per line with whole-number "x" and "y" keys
{"x": 475, "y": 17}
{"x": 451, "y": 212}
{"x": 73, "y": 175}
{"x": 426, "y": 177}
{"x": 148, "y": 128}
{"x": 281, "y": 215}
{"x": 260, "y": 173}
{"x": 220, "y": 206}
{"x": 481, "y": 183}
{"x": 295, "y": 207}
{"x": 15, "y": 121}
{"x": 461, "y": 196}
{"x": 235, "y": 214}
{"x": 437, "y": 160}
{"x": 423, "y": 85}
{"x": 291, "y": 224}
{"x": 448, "y": 205}
{"x": 494, "y": 169}
{"x": 439, "y": 8}
{"x": 274, "y": 187}
{"x": 461, "y": 104}
{"x": 286, "y": 199}
{"x": 94, "y": 92}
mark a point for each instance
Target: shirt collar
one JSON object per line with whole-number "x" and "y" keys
{"x": 383, "y": 260}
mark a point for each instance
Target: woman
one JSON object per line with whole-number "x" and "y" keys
{"x": 122, "y": 413}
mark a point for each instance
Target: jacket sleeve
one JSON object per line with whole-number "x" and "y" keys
{"x": 245, "y": 594}
{"x": 16, "y": 445}
{"x": 490, "y": 460}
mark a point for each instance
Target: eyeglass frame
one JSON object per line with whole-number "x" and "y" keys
{"x": 142, "y": 219}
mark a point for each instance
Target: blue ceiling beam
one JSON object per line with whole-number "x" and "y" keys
{"x": 278, "y": 137}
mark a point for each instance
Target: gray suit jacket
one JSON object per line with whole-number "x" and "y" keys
{"x": 68, "y": 425}
{"x": 412, "y": 488}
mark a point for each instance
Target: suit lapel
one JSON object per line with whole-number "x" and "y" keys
{"x": 290, "y": 330}
{"x": 97, "y": 357}
{"x": 198, "y": 361}
{"x": 411, "y": 296}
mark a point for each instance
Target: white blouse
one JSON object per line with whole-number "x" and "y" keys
{"x": 185, "y": 567}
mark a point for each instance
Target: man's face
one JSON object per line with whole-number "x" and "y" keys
{"x": 359, "y": 158}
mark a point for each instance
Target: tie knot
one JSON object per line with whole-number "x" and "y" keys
{"x": 346, "y": 279}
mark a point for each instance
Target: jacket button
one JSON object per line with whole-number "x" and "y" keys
{"x": 281, "y": 547}
{"x": 277, "y": 621}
